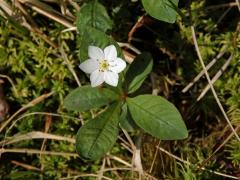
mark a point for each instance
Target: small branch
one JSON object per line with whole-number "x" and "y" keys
{"x": 48, "y": 113}
{"x": 209, "y": 82}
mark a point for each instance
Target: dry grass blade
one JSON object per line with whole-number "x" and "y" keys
{"x": 213, "y": 61}
{"x": 188, "y": 163}
{"x": 129, "y": 46}
{"x": 48, "y": 113}
{"x": 6, "y": 7}
{"x": 30, "y": 104}
{"x": 85, "y": 175}
{"x": 216, "y": 77}
{"x": 218, "y": 148}
{"x": 35, "y": 135}
{"x": 210, "y": 84}
{"x": 69, "y": 65}
{"x": 12, "y": 84}
{"x": 238, "y": 4}
{"x": 100, "y": 172}
{"x": 129, "y": 169}
{"x": 9, "y": 12}
{"x": 26, "y": 166}
{"x": 154, "y": 158}
{"x": 74, "y": 4}
{"x": 47, "y": 11}
{"x": 119, "y": 160}
{"x": 36, "y": 151}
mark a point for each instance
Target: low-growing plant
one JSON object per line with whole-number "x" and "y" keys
{"x": 154, "y": 114}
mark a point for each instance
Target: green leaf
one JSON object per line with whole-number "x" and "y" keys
{"x": 93, "y": 14}
{"x": 126, "y": 121}
{"x": 97, "y": 136}
{"x": 164, "y": 10}
{"x": 93, "y": 37}
{"x": 138, "y": 71}
{"x": 157, "y": 116}
{"x": 86, "y": 97}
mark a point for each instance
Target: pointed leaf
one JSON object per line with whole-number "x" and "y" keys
{"x": 97, "y": 136}
{"x": 86, "y": 97}
{"x": 94, "y": 15}
{"x": 157, "y": 116}
{"x": 164, "y": 10}
{"x": 138, "y": 71}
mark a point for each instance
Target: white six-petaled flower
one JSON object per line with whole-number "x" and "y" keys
{"x": 103, "y": 65}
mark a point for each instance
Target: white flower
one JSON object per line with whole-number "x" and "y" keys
{"x": 103, "y": 65}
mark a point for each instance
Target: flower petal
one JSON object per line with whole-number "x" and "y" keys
{"x": 95, "y": 52}
{"x": 110, "y": 52}
{"x": 111, "y": 78}
{"x": 89, "y": 66}
{"x": 118, "y": 65}
{"x": 96, "y": 78}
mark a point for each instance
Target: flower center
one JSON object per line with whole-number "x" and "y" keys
{"x": 103, "y": 65}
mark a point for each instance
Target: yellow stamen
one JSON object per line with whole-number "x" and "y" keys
{"x": 103, "y": 65}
